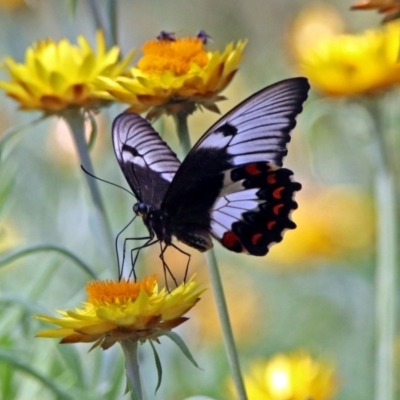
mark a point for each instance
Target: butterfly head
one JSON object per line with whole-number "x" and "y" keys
{"x": 141, "y": 209}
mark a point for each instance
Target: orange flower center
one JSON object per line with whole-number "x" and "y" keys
{"x": 106, "y": 292}
{"x": 175, "y": 56}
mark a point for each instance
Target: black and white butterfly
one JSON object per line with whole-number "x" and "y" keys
{"x": 230, "y": 186}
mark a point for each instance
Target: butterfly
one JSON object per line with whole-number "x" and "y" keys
{"x": 230, "y": 187}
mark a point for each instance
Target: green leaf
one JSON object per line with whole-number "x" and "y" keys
{"x": 11, "y": 132}
{"x": 72, "y": 7}
{"x": 10, "y": 358}
{"x": 12, "y": 256}
{"x": 158, "y": 365}
{"x": 182, "y": 346}
{"x": 93, "y": 132}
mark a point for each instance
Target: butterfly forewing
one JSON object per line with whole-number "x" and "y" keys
{"x": 147, "y": 162}
{"x": 230, "y": 185}
{"x": 258, "y": 129}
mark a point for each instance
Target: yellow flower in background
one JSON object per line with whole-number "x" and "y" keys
{"x": 175, "y": 75}
{"x": 123, "y": 310}
{"x": 317, "y": 20}
{"x": 389, "y": 7}
{"x": 294, "y": 376}
{"x": 11, "y": 4}
{"x": 331, "y": 223}
{"x": 59, "y": 75}
{"x": 351, "y": 65}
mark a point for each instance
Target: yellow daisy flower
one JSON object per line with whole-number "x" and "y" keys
{"x": 123, "y": 310}
{"x": 294, "y": 376}
{"x": 351, "y": 65}
{"x": 58, "y": 75}
{"x": 175, "y": 75}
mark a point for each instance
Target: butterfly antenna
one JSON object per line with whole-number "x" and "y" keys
{"x": 103, "y": 180}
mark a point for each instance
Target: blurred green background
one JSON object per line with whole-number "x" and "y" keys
{"x": 314, "y": 292}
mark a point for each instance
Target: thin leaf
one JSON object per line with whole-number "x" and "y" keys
{"x": 182, "y": 346}
{"x": 158, "y": 365}
{"x": 11, "y": 132}
{"x": 93, "y": 132}
{"x": 10, "y": 358}
{"x": 48, "y": 247}
{"x": 72, "y": 7}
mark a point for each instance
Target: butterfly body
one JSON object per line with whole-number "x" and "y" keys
{"x": 230, "y": 187}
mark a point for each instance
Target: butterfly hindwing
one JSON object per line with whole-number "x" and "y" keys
{"x": 147, "y": 162}
{"x": 231, "y": 185}
{"x": 254, "y": 208}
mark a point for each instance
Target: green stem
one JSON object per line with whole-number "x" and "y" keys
{"x": 227, "y": 333}
{"x": 76, "y": 121}
{"x": 386, "y": 260}
{"x": 216, "y": 283}
{"x": 130, "y": 349}
{"x": 94, "y": 8}
{"x": 183, "y": 131}
{"x": 112, "y": 33}
{"x": 385, "y": 281}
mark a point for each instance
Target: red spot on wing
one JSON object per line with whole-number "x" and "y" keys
{"x": 271, "y": 179}
{"x": 271, "y": 224}
{"x": 231, "y": 241}
{"x": 255, "y": 238}
{"x": 252, "y": 169}
{"x": 277, "y": 208}
{"x": 277, "y": 193}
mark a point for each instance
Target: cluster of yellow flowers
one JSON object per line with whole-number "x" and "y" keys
{"x": 173, "y": 75}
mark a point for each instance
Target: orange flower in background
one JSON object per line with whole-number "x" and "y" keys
{"x": 389, "y": 7}
{"x": 59, "y": 75}
{"x": 295, "y": 376}
{"x": 175, "y": 75}
{"x": 123, "y": 310}
{"x": 353, "y": 65}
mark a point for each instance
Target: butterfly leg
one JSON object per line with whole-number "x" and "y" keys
{"x": 149, "y": 243}
{"x": 121, "y": 265}
{"x": 166, "y": 268}
{"x": 188, "y": 262}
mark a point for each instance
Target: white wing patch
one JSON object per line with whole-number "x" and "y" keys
{"x": 135, "y": 141}
{"x": 230, "y": 207}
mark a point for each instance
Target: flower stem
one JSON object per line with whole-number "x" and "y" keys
{"x": 132, "y": 368}
{"x": 112, "y": 34}
{"x": 215, "y": 279}
{"x": 386, "y": 260}
{"x": 183, "y": 131}
{"x": 76, "y": 121}
{"x": 94, "y": 8}
{"x": 227, "y": 333}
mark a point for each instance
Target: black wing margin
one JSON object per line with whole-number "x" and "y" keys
{"x": 148, "y": 163}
